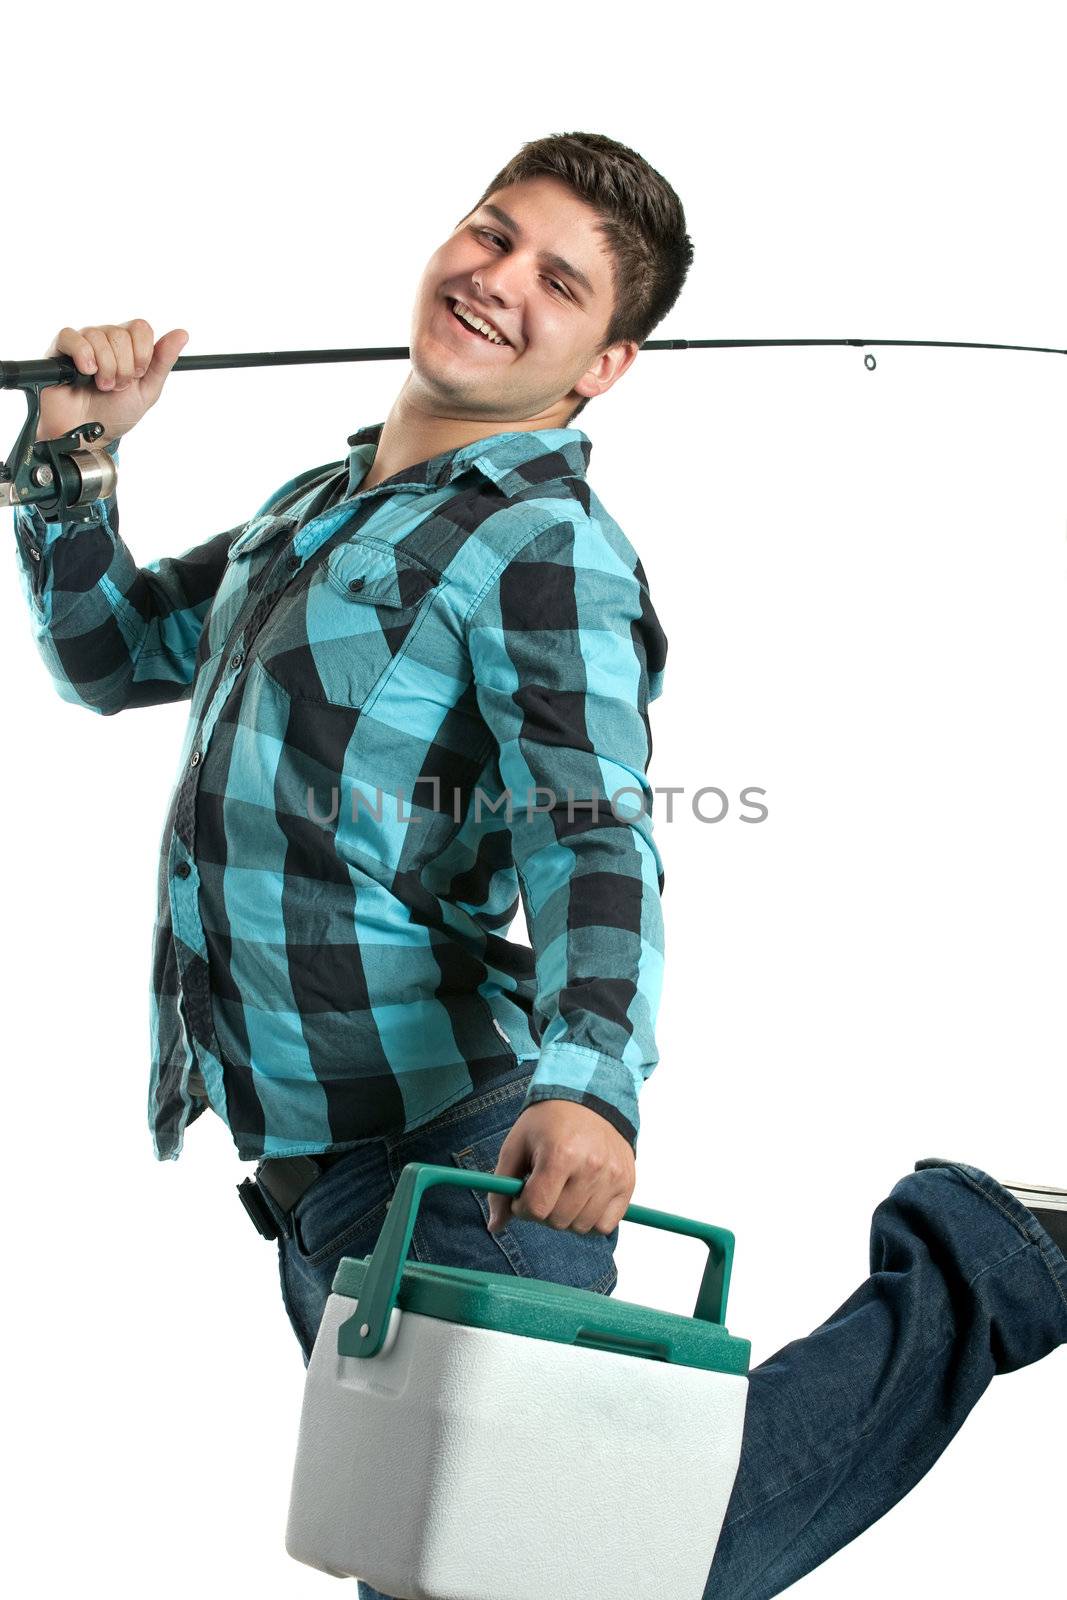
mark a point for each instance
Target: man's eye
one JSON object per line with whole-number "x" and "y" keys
{"x": 489, "y": 234}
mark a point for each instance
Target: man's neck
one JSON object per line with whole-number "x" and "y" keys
{"x": 410, "y": 435}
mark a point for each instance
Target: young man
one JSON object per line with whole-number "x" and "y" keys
{"x": 450, "y": 608}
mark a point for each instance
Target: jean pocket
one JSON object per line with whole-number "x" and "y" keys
{"x": 341, "y": 1213}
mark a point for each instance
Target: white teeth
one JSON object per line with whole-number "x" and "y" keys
{"x": 476, "y": 322}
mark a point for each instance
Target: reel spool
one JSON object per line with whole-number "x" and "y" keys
{"x": 64, "y": 474}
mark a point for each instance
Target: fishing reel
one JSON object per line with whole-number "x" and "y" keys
{"x": 57, "y": 475}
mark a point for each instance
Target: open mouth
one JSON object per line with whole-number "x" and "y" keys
{"x": 473, "y": 333}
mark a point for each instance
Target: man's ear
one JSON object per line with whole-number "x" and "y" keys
{"x": 606, "y": 368}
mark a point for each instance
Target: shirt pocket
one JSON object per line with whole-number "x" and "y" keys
{"x": 340, "y": 636}
{"x": 256, "y": 533}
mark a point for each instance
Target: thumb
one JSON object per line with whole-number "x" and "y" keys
{"x": 511, "y": 1163}
{"x": 165, "y": 353}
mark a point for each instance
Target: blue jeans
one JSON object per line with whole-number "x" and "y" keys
{"x": 964, "y": 1284}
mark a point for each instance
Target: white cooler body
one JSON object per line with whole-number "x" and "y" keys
{"x": 463, "y": 1463}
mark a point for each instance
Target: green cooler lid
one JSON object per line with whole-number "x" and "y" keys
{"x": 534, "y": 1309}
{"x": 531, "y": 1307}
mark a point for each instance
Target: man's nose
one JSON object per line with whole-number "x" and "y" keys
{"x": 502, "y": 280}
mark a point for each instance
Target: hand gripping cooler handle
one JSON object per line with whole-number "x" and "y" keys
{"x": 363, "y": 1333}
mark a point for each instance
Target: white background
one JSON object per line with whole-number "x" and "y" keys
{"x": 861, "y": 576}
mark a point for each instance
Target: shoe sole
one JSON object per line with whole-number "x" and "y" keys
{"x": 1036, "y": 1194}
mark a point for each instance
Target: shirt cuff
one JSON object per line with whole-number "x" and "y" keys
{"x": 588, "y": 1078}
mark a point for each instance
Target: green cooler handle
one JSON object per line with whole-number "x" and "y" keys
{"x": 363, "y": 1334}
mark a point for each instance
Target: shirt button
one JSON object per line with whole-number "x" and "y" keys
{"x": 194, "y": 759}
{"x": 292, "y": 562}
{"x": 183, "y": 869}
{"x": 356, "y": 583}
{"x": 235, "y": 661}
{"x": 35, "y": 553}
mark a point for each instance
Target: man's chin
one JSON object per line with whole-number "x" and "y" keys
{"x": 455, "y": 381}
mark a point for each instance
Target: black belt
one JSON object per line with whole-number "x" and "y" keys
{"x": 285, "y": 1179}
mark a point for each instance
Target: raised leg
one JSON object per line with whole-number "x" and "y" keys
{"x": 964, "y": 1284}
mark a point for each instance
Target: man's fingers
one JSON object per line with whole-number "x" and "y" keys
{"x": 122, "y": 345}
{"x": 104, "y": 356}
{"x": 512, "y": 1162}
{"x": 544, "y": 1185}
{"x": 602, "y": 1214}
{"x": 140, "y": 333}
{"x": 118, "y": 353}
{"x": 166, "y": 351}
{"x": 73, "y": 343}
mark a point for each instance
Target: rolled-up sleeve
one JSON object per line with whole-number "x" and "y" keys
{"x": 567, "y": 652}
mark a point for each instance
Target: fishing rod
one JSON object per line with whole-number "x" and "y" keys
{"x": 69, "y": 474}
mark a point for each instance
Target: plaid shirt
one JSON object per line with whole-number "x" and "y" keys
{"x": 375, "y": 679}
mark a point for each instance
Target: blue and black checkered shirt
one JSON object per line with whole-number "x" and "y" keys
{"x": 409, "y": 707}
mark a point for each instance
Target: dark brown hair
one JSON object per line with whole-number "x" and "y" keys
{"x": 641, "y": 218}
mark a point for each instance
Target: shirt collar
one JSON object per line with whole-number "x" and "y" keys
{"x": 513, "y": 461}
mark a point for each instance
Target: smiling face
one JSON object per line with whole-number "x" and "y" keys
{"x": 531, "y": 264}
